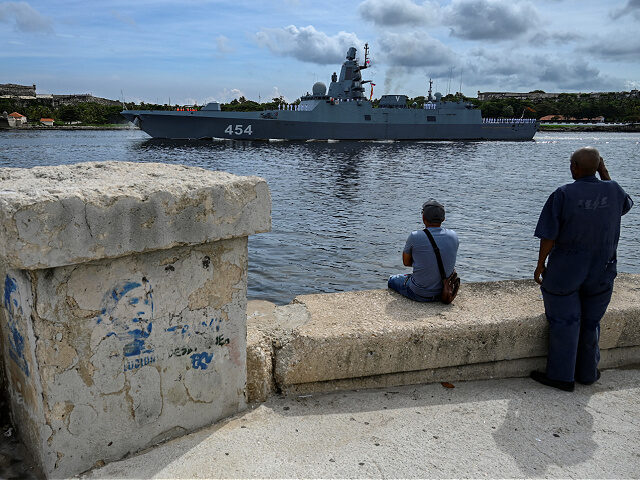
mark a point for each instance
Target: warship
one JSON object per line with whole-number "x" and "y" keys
{"x": 341, "y": 113}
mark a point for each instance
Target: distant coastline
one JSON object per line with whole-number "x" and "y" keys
{"x": 633, "y": 127}
{"x": 74, "y": 127}
{"x": 630, "y": 128}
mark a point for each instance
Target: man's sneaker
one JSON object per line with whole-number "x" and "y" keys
{"x": 591, "y": 383}
{"x": 541, "y": 377}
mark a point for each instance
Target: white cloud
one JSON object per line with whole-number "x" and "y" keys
{"x": 632, "y": 8}
{"x": 222, "y": 45}
{"x": 24, "y": 17}
{"x": 414, "y": 49}
{"x": 391, "y": 13}
{"x": 490, "y": 19}
{"x": 529, "y": 72}
{"x": 308, "y": 44}
{"x": 618, "y": 49}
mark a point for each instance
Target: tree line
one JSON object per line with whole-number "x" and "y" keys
{"x": 613, "y": 107}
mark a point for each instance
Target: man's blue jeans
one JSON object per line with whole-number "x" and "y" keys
{"x": 400, "y": 283}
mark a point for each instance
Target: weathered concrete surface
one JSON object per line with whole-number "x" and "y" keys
{"x": 512, "y": 428}
{"x": 109, "y": 356}
{"x": 68, "y": 214}
{"x": 268, "y": 327}
{"x": 378, "y": 338}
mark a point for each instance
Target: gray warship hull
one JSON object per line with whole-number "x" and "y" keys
{"x": 325, "y": 122}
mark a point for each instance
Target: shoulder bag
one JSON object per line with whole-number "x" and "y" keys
{"x": 450, "y": 284}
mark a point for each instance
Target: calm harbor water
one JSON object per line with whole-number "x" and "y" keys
{"x": 342, "y": 211}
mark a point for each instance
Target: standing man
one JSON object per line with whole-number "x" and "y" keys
{"x": 578, "y": 229}
{"x": 425, "y": 284}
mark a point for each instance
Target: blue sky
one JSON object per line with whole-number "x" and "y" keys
{"x": 198, "y": 51}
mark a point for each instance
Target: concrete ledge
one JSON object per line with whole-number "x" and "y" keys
{"x": 377, "y": 338}
{"x": 70, "y": 214}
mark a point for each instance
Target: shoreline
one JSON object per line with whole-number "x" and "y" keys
{"x": 74, "y": 127}
{"x": 633, "y": 128}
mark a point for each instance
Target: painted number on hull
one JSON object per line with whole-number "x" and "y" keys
{"x": 238, "y": 130}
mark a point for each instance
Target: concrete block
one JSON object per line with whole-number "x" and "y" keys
{"x": 69, "y": 214}
{"x": 137, "y": 338}
{"x": 367, "y": 333}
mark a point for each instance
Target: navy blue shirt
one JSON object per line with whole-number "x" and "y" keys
{"x": 584, "y": 215}
{"x": 426, "y": 280}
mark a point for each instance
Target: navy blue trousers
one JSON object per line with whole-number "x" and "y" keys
{"x": 574, "y": 330}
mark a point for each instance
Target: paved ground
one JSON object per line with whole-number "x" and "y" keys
{"x": 496, "y": 428}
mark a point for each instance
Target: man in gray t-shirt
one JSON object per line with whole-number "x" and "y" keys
{"x": 425, "y": 283}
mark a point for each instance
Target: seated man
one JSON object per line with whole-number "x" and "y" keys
{"x": 425, "y": 284}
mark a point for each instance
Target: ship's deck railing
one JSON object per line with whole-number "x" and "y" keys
{"x": 509, "y": 120}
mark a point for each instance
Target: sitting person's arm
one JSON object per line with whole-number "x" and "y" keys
{"x": 407, "y": 259}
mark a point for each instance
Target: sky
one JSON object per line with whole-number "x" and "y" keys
{"x": 196, "y": 51}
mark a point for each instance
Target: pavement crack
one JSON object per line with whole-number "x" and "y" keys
{"x": 86, "y": 221}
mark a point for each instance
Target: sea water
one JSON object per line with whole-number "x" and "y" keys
{"x": 343, "y": 210}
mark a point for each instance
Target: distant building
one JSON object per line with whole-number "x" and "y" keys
{"x": 47, "y": 121}
{"x": 517, "y": 96}
{"x": 58, "y": 100}
{"x": 540, "y": 95}
{"x": 16, "y": 119}
{"x": 28, "y": 92}
{"x": 562, "y": 118}
{"x": 13, "y": 90}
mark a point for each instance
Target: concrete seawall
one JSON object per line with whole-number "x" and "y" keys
{"x": 377, "y": 338}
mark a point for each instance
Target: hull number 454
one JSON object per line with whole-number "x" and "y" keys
{"x": 238, "y": 130}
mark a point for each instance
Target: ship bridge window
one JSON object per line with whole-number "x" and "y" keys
{"x": 431, "y": 118}
{"x": 367, "y": 117}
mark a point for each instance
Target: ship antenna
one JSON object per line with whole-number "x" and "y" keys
{"x": 430, "y": 85}
{"x": 366, "y": 55}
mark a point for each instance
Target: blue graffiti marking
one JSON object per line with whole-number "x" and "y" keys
{"x": 139, "y": 362}
{"x": 10, "y": 287}
{"x": 16, "y": 340}
{"x": 186, "y": 330}
{"x": 201, "y": 360}
{"x": 133, "y": 328}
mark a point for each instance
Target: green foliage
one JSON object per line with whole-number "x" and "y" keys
{"x": 612, "y": 106}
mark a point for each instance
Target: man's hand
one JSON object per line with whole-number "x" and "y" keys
{"x": 602, "y": 170}
{"x": 538, "y": 275}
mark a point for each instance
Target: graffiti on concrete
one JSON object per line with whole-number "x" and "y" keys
{"x": 13, "y": 306}
{"x": 201, "y": 360}
{"x": 202, "y": 328}
{"x": 128, "y": 314}
{"x": 128, "y": 311}
{"x": 139, "y": 362}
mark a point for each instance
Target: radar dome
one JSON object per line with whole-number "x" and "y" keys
{"x": 319, "y": 88}
{"x": 438, "y": 96}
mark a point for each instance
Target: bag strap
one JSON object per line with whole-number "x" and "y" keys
{"x": 437, "y": 252}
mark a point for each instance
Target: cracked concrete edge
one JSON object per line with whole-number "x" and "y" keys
{"x": 269, "y": 328}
